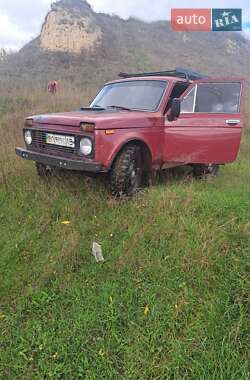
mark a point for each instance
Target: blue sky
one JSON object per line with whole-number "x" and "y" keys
{"x": 21, "y": 20}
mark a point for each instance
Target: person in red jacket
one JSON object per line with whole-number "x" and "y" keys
{"x": 53, "y": 87}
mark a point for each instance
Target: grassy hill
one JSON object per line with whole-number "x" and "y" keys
{"x": 126, "y": 45}
{"x": 171, "y": 300}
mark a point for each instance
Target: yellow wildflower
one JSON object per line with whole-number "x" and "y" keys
{"x": 146, "y": 310}
{"x": 101, "y": 352}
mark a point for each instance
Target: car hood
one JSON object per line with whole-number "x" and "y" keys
{"x": 111, "y": 119}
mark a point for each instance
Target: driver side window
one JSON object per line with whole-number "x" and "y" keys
{"x": 187, "y": 105}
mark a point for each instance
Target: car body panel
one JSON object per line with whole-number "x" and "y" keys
{"x": 102, "y": 119}
{"x": 108, "y": 146}
{"x": 202, "y": 139}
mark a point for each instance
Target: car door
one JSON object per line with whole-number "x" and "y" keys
{"x": 209, "y": 127}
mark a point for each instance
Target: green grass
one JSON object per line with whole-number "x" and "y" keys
{"x": 181, "y": 247}
{"x": 171, "y": 300}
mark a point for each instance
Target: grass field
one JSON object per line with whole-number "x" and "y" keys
{"x": 171, "y": 300}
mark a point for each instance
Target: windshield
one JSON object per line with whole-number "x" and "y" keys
{"x": 144, "y": 95}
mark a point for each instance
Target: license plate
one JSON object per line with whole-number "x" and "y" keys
{"x": 61, "y": 140}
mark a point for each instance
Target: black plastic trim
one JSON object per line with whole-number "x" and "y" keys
{"x": 60, "y": 162}
{"x": 178, "y": 72}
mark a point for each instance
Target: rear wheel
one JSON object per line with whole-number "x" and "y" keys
{"x": 204, "y": 171}
{"x": 44, "y": 171}
{"x": 127, "y": 172}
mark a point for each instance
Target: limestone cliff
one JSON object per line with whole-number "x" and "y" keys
{"x": 71, "y": 27}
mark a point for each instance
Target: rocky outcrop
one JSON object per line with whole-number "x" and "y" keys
{"x": 71, "y": 27}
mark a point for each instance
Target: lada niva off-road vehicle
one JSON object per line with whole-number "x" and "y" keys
{"x": 142, "y": 123}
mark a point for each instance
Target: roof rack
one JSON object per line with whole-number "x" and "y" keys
{"x": 178, "y": 72}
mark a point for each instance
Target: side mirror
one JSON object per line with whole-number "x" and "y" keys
{"x": 175, "y": 109}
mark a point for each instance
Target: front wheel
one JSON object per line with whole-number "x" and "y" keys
{"x": 126, "y": 174}
{"x": 204, "y": 171}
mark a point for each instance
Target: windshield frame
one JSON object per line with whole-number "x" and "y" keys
{"x": 138, "y": 80}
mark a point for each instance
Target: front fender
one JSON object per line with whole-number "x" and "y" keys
{"x": 109, "y": 146}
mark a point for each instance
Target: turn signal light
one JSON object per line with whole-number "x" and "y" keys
{"x": 28, "y": 122}
{"x": 109, "y": 132}
{"x": 87, "y": 127}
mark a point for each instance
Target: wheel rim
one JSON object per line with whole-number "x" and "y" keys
{"x": 134, "y": 177}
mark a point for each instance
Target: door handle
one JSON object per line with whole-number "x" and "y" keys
{"x": 232, "y": 121}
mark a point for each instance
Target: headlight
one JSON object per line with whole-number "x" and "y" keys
{"x": 86, "y": 146}
{"x": 28, "y": 137}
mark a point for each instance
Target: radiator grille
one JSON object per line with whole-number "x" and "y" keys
{"x": 39, "y": 145}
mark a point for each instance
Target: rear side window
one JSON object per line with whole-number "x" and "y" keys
{"x": 213, "y": 98}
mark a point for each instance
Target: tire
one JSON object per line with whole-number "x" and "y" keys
{"x": 127, "y": 172}
{"x": 204, "y": 171}
{"x": 44, "y": 171}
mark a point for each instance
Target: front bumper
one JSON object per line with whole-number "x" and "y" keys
{"x": 60, "y": 162}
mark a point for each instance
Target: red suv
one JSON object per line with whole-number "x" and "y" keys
{"x": 142, "y": 123}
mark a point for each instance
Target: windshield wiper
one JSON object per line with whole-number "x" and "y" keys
{"x": 120, "y": 108}
{"x": 99, "y": 107}
{"x": 94, "y": 108}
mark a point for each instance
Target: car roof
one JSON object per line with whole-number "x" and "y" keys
{"x": 178, "y": 79}
{"x": 155, "y": 78}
